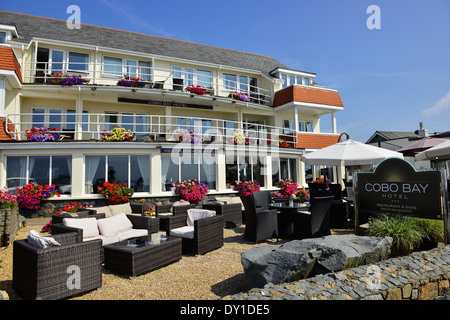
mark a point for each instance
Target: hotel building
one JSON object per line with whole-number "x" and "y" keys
{"x": 245, "y": 95}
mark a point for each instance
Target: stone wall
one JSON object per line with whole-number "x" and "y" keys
{"x": 419, "y": 276}
{"x": 9, "y": 225}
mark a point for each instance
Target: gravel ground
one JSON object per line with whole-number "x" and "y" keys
{"x": 209, "y": 276}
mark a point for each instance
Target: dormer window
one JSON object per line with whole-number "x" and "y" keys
{"x": 2, "y": 37}
{"x": 290, "y": 80}
{"x": 7, "y": 33}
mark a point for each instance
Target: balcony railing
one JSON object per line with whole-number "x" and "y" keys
{"x": 151, "y": 128}
{"x": 175, "y": 79}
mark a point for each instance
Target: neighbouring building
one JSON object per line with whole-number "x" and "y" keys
{"x": 85, "y": 82}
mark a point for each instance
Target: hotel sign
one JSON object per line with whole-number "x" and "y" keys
{"x": 164, "y": 103}
{"x": 396, "y": 187}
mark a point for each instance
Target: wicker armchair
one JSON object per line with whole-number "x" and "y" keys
{"x": 207, "y": 236}
{"x": 260, "y": 224}
{"x": 231, "y": 212}
{"x": 44, "y": 274}
{"x": 165, "y": 210}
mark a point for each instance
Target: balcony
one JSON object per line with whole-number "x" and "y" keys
{"x": 151, "y": 129}
{"x": 243, "y": 89}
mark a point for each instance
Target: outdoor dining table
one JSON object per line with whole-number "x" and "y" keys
{"x": 286, "y": 216}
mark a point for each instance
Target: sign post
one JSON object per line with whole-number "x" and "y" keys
{"x": 395, "y": 187}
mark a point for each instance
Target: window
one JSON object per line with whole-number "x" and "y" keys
{"x": 118, "y": 67}
{"x": 284, "y": 168}
{"x": 188, "y": 167}
{"x": 204, "y": 78}
{"x": 290, "y": 80}
{"x": 137, "y": 123}
{"x": 57, "y": 118}
{"x": 2, "y": 37}
{"x": 304, "y": 126}
{"x": 134, "y": 170}
{"x": 45, "y": 170}
{"x": 63, "y": 61}
{"x": 244, "y": 84}
{"x": 245, "y": 168}
{"x": 229, "y": 82}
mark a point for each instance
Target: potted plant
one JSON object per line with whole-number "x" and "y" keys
{"x": 116, "y": 193}
{"x": 31, "y": 195}
{"x": 245, "y": 188}
{"x": 67, "y": 80}
{"x": 303, "y": 195}
{"x": 288, "y": 187}
{"x": 9, "y": 216}
{"x": 42, "y": 134}
{"x": 239, "y": 96}
{"x": 186, "y": 135}
{"x": 131, "y": 82}
{"x": 191, "y": 190}
{"x": 118, "y": 134}
{"x": 150, "y": 211}
{"x": 197, "y": 89}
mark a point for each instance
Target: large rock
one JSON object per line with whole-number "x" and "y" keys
{"x": 300, "y": 259}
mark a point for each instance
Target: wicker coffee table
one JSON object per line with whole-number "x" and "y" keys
{"x": 140, "y": 255}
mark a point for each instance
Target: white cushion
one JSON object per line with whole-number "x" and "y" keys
{"x": 183, "y": 232}
{"x": 105, "y": 210}
{"x": 114, "y": 225}
{"x": 41, "y": 242}
{"x": 132, "y": 233}
{"x": 105, "y": 240}
{"x": 89, "y": 225}
{"x": 196, "y": 214}
{"x": 120, "y": 208}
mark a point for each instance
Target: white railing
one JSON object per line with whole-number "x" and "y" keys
{"x": 152, "y": 78}
{"x": 153, "y": 128}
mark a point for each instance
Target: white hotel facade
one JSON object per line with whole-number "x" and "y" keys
{"x": 281, "y": 101}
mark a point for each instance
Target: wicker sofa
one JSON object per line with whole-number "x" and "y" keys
{"x": 108, "y": 230}
{"x": 43, "y": 273}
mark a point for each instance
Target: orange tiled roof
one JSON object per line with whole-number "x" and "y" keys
{"x": 3, "y": 134}
{"x": 8, "y": 61}
{"x": 307, "y": 94}
{"x": 315, "y": 141}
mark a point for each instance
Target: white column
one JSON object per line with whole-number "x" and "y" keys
{"x": 2, "y": 96}
{"x": 333, "y": 122}
{"x": 296, "y": 128}
{"x": 79, "y": 117}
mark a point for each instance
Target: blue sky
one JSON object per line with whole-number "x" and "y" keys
{"x": 391, "y": 78}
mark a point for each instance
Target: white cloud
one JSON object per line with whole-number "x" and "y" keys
{"x": 442, "y": 105}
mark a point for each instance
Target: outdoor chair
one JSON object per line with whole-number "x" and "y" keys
{"x": 315, "y": 222}
{"x": 170, "y": 209}
{"x": 201, "y": 230}
{"x": 45, "y": 273}
{"x": 262, "y": 199}
{"x": 260, "y": 224}
{"x": 231, "y": 212}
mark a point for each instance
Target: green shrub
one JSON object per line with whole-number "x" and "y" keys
{"x": 408, "y": 233}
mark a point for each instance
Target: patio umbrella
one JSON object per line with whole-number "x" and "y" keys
{"x": 349, "y": 153}
{"x": 420, "y": 145}
{"x": 441, "y": 151}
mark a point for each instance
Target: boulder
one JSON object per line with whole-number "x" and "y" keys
{"x": 300, "y": 259}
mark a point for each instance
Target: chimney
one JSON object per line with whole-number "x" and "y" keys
{"x": 422, "y": 132}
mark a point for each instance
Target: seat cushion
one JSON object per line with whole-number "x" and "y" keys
{"x": 41, "y": 242}
{"x": 132, "y": 233}
{"x": 88, "y": 225}
{"x": 114, "y": 225}
{"x": 105, "y": 240}
{"x": 120, "y": 208}
{"x": 183, "y": 232}
{"x": 105, "y": 210}
{"x": 196, "y": 214}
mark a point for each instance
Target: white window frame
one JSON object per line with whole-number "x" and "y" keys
{"x": 65, "y": 63}
{"x": 124, "y": 68}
